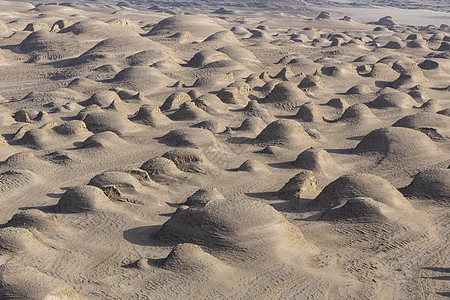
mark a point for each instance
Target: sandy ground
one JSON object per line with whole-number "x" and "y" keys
{"x": 236, "y": 154}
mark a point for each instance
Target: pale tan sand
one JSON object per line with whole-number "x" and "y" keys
{"x": 193, "y": 152}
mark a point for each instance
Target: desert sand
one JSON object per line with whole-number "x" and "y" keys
{"x": 251, "y": 151}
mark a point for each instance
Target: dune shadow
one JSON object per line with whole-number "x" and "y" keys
{"x": 263, "y": 195}
{"x": 284, "y": 165}
{"x": 444, "y": 294}
{"x": 340, "y": 151}
{"x": 143, "y": 236}
{"x": 438, "y": 269}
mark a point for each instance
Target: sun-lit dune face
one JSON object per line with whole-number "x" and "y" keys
{"x": 224, "y": 150}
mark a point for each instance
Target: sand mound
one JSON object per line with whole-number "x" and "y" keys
{"x": 15, "y": 239}
{"x": 160, "y": 166}
{"x": 191, "y": 137}
{"x": 360, "y": 185}
{"x": 199, "y": 25}
{"x": 317, "y": 160}
{"x": 254, "y": 109}
{"x": 300, "y": 186}
{"x": 224, "y": 37}
{"x": 252, "y": 124}
{"x": 108, "y": 120}
{"x": 149, "y": 57}
{"x": 386, "y": 21}
{"x": 36, "y": 139}
{"x": 434, "y": 184}
{"x": 82, "y": 199}
{"x": 95, "y": 29}
{"x": 33, "y": 218}
{"x": 203, "y": 196}
{"x": 338, "y": 103}
{"x": 285, "y": 74}
{"x": 359, "y": 89}
{"x": 188, "y": 159}
{"x": 361, "y": 210}
{"x": 36, "y": 26}
{"x": 190, "y": 258}
{"x": 382, "y": 71}
{"x": 175, "y": 100}
{"x": 150, "y": 115}
{"x": 234, "y": 93}
{"x": 142, "y": 79}
{"x": 182, "y": 37}
{"x": 189, "y": 111}
{"x": 425, "y": 122}
{"x": 248, "y": 226}
{"x": 240, "y": 31}
{"x": 284, "y": 132}
{"x": 400, "y": 145}
{"x": 324, "y": 15}
{"x": 358, "y": 114}
{"x": 311, "y": 82}
{"x": 49, "y": 46}
{"x": 106, "y": 139}
{"x": 211, "y": 104}
{"x": 71, "y": 127}
{"x": 394, "y": 99}
{"x": 215, "y": 126}
{"x": 285, "y": 95}
{"x": 23, "y": 282}
{"x": 253, "y": 166}
{"x": 102, "y": 99}
{"x": 239, "y": 54}
{"x": 309, "y": 112}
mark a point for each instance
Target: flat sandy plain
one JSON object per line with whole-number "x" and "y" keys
{"x": 235, "y": 152}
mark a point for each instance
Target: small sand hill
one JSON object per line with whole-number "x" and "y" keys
{"x": 434, "y": 125}
{"x": 285, "y": 95}
{"x": 284, "y": 133}
{"x": 95, "y": 29}
{"x": 190, "y": 258}
{"x": 360, "y": 185}
{"x": 103, "y": 140}
{"x": 140, "y": 51}
{"x": 82, "y": 199}
{"x": 302, "y": 185}
{"x": 175, "y": 100}
{"x": 254, "y": 109}
{"x": 254, "y": 166}
{"x": 358, "y": 114}
{"x": 142, "y": 79}
{"x": 150, "y": 115}
{"x": 189, "y": 160}
{"x": 44, "y": 45}
{"x": 17, "y": 240}
{"x": 203, "y": 58}
{"x": 199, "y": 25}
{"x": 124, "y": 187}
{"x": 393, "y": 99}
{"x": 34, "y": 218}
{"x": 398, "y": 145}
{"x": 431, "y": 184}
{"x": 317, "y": 160}
{"x": 203, "y": 196}
{"x": 191, "y": 137}
{"x": 23, "y": 282}
{"x": 252, "y": 228}
{"x": 189, "y": 111}
{"x": 164, "y": 171}
{"x": 221, "y": 38}
{"x": 309, "y": 112}
{"x": 108, "y": 120}
{"x": 240, "y": 54}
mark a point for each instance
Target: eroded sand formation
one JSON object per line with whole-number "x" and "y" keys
{"x": 147, "y": 155}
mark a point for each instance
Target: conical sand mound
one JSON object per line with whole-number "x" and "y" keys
{"x": 254, "y": 166}
{"x": 150, "y": 115}
{"x": 399, "y": 144}
{"x": 175, "y": 100}
{"x": 71, "y": 127}
{"x": 189, "y": 160}
{"x": 434, "y": 184}
{"x": 360, "y": 185}
{"x": 394, "y": 99}
{"x": 224, "y": 37}
{"x": 142, "y": 79}
{"x": 244, "y": 225}
{"x": 95, "y": 29}
{"x": 34, "y": 218}
{"x": 203, "y": 196}
{"x": 16, "y": 240}
{"x": 317, "y": 160}
{"x": 254, "y": 109}
{"x": 23, "y": 282}
{"x": 426, "y": 122}
{"x": 284, "y": 132}
{"x": 309, "y": 112}
{"x": 82, "y": 199}
{"x": 300, "y": 186}
{"x": 105, "y": 139}
{"x": 285, "y": 95}
{"x": 191, "y": 137}
{"x": 108, "y": 120}
{"x": 239, "y": 54}
{"x": 199, "y": 25}
{"x": 189, "y": 258}
{"x": 189, "y": 111}
{"x": 358, "y": 114}
{"x": 203, "y": 58}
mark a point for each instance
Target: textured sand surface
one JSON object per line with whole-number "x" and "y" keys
{"x": 224, "y": 153}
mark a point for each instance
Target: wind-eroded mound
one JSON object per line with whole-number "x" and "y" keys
{"x": 253, "y": 227}
{"x": 82, "y": 199}
{"x": 199, "y": 25}
{"x": 285, "y": 95}
{"x": 358, "y": 114}
{"x": 360, "y": 185}
{"x": 394, "y": 99}
{"x": 399, "y": 145}
{"x": 434, "y": 125}
{"x": 317, "y": 160}
{"x": 142, "y": 79}
{"x": 23, "y": 282}
{"x": 434, "y": 184}
{"x": 284, "y": 132}
{"x": 191, "y": 137}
